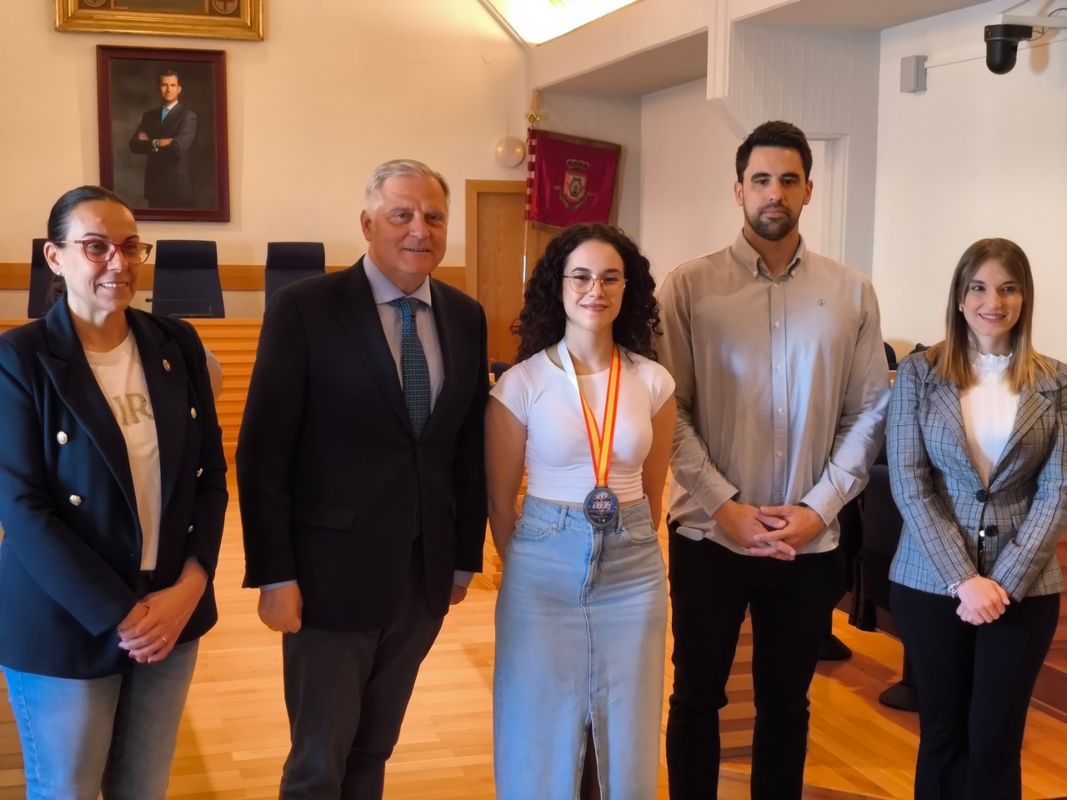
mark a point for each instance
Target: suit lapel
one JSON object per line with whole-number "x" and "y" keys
{"x": 169, "y": 395}
{"x": 946, "y": 399}
{"x": 358, "y": 315}
{"x": 77, "y": 388}
{"x": 1032, "y": 406}
{"x": 441, "y": 318}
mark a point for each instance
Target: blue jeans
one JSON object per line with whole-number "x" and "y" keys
{"x": 114, "y": 735}
{"x": 581, "y": 623}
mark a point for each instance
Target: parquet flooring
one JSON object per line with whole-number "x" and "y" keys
{"x": 234, "y": 735}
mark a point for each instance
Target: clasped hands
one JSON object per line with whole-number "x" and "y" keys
{"x": 981, "y": 600}
{"x": 152, "y": 627}
{"x": 769, "y": 531}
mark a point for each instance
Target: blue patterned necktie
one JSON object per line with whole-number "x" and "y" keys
{"x": 413, "y": 369}
{"x": 163, "y": 116}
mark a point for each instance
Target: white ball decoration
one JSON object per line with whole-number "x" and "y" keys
{"x": 510, "y": 151}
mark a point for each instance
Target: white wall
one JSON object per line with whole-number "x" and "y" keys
{"x": 687, "y": 183}
{"x": 976, "y": 155}
{"x": 687, "y": 206}
{"x": 336, "y": 88}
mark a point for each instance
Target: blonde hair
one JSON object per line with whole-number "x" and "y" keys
{"x": 952, "y": 357}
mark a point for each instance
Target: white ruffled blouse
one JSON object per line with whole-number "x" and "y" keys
{"x": 989, "y": 408}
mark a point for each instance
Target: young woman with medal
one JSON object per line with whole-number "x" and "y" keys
{"x": 581, "y": 617}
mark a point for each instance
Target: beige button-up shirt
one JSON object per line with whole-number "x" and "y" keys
{"x": 782, "y": 386}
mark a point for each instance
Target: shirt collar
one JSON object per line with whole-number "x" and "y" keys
{"x": 747, "y": 256}
{"x": 384, "y": 290}
{"x": 170, "y": 106}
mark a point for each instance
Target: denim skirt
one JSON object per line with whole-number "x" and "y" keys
{"x": 581, "y": 624}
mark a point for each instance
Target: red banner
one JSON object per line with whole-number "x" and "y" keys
{"x": 569, "y": 179}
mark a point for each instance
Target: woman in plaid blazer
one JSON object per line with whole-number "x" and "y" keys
{"x": 977, "y": 448}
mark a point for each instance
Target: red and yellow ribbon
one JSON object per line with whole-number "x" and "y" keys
{"x": 600, "y": 441}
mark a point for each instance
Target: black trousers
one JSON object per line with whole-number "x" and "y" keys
{"x": 711, "y": 587}
{"x": 346, "y": 694}
{"x": 974, "y": 684}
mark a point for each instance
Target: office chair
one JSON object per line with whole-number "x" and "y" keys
{"x": 187, "y": 279}
{"x": 40, "y": 282}
{"x": 288, "y": 262}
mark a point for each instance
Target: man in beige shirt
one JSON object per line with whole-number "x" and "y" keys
{"x": 782, "y": 388}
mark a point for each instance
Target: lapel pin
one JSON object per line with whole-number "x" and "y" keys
{"x": 166, "y": 365}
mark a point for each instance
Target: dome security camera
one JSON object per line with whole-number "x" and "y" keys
{"x": 1002, "y": 46}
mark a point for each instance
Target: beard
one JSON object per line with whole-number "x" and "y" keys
{"x": 773, "y": 230}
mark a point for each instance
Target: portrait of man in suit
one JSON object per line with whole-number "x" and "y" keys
{"x": 362, "y": 482}
{"x": 165, "y": 136}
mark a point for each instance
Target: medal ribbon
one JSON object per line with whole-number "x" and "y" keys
{"x": 600, "y": 441}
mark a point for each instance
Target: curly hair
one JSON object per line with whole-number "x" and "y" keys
{"x": 543, "y": 319}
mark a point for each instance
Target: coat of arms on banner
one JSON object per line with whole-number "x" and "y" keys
{"x": 573, "y": 191}
{"x": 570, "y": 179}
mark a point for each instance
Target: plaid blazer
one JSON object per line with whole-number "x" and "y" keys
{"x": 943, "y": 501}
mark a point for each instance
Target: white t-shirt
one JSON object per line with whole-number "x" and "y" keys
{"x": 121, "y": 378}
{"x": 559, "y": 466}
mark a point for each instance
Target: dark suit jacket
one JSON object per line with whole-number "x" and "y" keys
{"x": 168, "y": 173}
{"x": 71, "y": 554}
{"x": 329, "y": 468}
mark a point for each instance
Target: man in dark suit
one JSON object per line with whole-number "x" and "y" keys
{"x": 362, "y": 482}
{"x": 166, "y": 135}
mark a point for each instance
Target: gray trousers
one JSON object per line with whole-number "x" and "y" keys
{"x": 346, "y": 694}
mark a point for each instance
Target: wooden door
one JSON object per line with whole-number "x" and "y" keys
{"x": 497, "y": 263}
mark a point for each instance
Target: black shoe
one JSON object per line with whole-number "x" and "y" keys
{"x": 833, "y": 649}
{"x": 900, "y": 696}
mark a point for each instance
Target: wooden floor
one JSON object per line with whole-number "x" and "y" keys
{"x": 234, "y": 736}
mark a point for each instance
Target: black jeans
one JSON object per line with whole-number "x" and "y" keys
{"x": 711, "y": 587}
{"x": 974, "y": 684}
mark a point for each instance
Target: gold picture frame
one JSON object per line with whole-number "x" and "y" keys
{"x": 211, "y": 19}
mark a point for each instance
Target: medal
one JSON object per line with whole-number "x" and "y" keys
{"x": 601, "y": 506}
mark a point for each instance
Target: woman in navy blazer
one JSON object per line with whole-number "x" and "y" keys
{"x": 112, "y": 496}
{"x": 977, "y": 450}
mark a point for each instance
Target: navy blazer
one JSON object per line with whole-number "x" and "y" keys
{"x": 71, "y": 554}
{"x": 329, "y": 469}
{"x": 944, "y": 504}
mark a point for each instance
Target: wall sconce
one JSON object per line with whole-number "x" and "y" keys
{"x": 510, "y": 151}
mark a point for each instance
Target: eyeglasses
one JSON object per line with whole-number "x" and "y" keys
{"x": 102, "y": 251}
{"x": 582, "y": 282}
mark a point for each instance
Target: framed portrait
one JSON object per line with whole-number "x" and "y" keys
{"x": 163, "y": 142}
{"x": 214, "y": 19}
